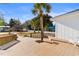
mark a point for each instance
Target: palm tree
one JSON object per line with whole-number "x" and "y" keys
{"x": 39, "y": 9}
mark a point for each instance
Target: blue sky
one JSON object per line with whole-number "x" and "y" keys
{"x": 23, "y": 12}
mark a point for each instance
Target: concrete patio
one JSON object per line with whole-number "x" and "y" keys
{"x": 28, "y": 47}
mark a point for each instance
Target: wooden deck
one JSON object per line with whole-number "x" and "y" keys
{"x": 29, "y": 47}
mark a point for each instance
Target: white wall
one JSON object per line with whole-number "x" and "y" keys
{"x": 70, "y": 20}
{"x": 67, "y": 26}
{"x": 67, "y": 33}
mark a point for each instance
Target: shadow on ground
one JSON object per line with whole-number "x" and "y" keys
{"x": 56, "y": 43}
{"x": 52, "y": 42}
{"x": 39, "y": 41}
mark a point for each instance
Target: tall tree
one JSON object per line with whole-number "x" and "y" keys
{"x": 17, "y": 22}
{"x": 46, "y": 21}
{"x": 11, "y": 23}
{"x": 35, "y": 23}
{"x": 17, "y": 25}
{"x": 38, "y": 9}
{"x": 27, "y": 24}
{"x": 2, "y": 22}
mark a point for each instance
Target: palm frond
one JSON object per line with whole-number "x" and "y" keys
{"x": 37, "y": 5}
{"x": 48, "y": 7}
{"x": 34, "y": 11}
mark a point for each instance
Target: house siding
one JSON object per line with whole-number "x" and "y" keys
{"x": 67, "y": 33}
{"x": 67, "y": 27}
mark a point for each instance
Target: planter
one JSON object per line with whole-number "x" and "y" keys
{"x": 7, "y": 38}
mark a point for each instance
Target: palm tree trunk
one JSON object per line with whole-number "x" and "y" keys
{"x": 41, "y": 25}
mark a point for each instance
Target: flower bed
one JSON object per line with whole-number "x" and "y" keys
{"x": 7, "y": 38}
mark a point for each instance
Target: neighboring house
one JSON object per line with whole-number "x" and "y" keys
{"x": 4, "y": 28}
{"x": 67, "y": 26}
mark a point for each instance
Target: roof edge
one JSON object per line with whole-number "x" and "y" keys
{"x": 66, "y": 13}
